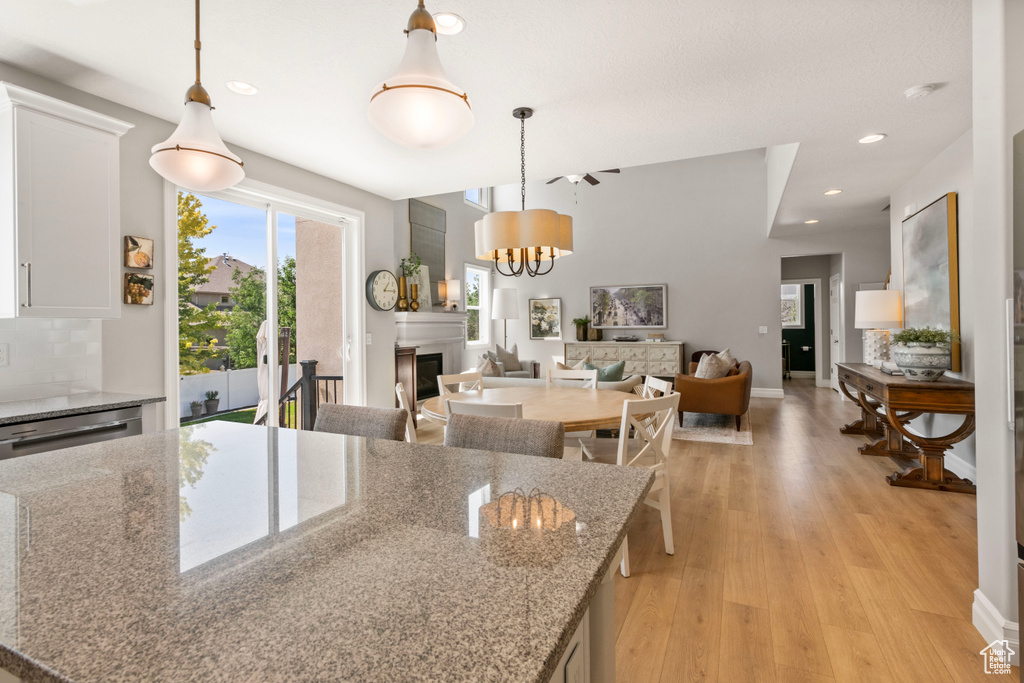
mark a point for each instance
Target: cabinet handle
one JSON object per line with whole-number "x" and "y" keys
{"x": 28, "y": 268}
{"x": 869, "y": 387}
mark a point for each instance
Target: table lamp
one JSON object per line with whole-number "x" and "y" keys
{"x": 505, "y": 306}
{"x": 877, "y": 311}
{"x": 449, "y": 291}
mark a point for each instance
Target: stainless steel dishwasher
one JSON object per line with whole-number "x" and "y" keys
{"x": 64, "y": 432}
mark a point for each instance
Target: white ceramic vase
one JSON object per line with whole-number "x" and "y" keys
{"x": 922, "y": 361}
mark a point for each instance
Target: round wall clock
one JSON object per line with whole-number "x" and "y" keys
{"x": 382, "y": 290}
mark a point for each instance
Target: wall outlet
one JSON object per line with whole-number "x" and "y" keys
{"x": 5, "y": 355}
{"x": 369, "y": 338}
{"x": 763, "y": 329}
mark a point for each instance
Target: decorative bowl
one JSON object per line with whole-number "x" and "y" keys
{"x": 922, "y": 361}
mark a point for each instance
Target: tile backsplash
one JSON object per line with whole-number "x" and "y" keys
{"x": 50, "y": 357}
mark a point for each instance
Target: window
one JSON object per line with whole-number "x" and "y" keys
{"x": 478, "y": 290}
{"x": 480, "y": 197}
{"x": 224, "y": 298}
{"x": 793, "y": 306}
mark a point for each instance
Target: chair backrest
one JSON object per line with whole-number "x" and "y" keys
{"x": 506, "y": 435}
{"x": 651, "y": 420}
{"x": 475, "y": 380}
{"x": 589, "y": 377}
{"x": 486, "y": 409}
{"x": 410, "y": 428}
{"x": 375, "y": 423}
{"x": 654, "y": 387}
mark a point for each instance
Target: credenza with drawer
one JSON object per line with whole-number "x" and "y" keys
{"x": 661, "y": 359}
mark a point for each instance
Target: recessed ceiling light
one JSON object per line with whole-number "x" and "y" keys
{"x": 448, "y": 23}
{"x": 242, "y": 88}
{"x": 874, "y": 137}
{"x": 919, "y": 91}
{"x": 832, "y": 192}
{"x": 813, "y": 220}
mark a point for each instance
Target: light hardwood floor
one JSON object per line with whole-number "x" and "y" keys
{"x": 796, "y": 561}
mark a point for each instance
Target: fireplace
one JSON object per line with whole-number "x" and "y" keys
{"x": 428, "y": 367}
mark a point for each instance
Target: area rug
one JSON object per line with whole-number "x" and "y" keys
{"x": 713, "y": 429}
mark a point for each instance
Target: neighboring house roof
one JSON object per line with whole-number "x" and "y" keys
{"x": 220, "y": 281}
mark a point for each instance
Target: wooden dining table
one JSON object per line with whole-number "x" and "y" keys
{"x": 576, "y": 408}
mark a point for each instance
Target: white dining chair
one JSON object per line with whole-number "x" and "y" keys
{"x": 645, "y": 437}
{"x": 483, "y": 409}
{"x": 410, "y": 428}
{"x": 589, "y": 377}
{"x": 654, "y": 387}
{"x": 475, "y": 380}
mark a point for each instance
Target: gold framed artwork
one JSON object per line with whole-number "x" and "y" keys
{"x": 931, "y": 278}
{"x": 138, "y": 252}
{"x": 545, "y": 319}
{"x": 138, "y": 289}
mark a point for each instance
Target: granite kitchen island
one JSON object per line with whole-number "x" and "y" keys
{"x": 226, "y": 552}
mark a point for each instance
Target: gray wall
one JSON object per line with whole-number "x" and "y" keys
{"x": 133, "y": 346}
{"x": 810, "y": 268}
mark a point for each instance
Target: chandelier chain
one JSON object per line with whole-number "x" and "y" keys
{"x": 522, "y": 160}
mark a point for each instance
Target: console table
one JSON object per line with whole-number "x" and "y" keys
{"x": 889, "y": 402}
{"x": 661, "y": 359}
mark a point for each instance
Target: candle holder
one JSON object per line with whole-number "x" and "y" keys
{"x": 414, "y": 304}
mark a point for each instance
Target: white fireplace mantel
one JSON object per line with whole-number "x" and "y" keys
{"x": 443, "y": 333}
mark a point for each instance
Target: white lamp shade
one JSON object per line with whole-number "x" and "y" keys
{"x": 454, "y": 290}
{"x": 419, "y": 106}
{"x": 505, "y": 304}
{"x": 532, "y": 229}
{"x": 194, "y": 157}
{"x": 878, "y": 309}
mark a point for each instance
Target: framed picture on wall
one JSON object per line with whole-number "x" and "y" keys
{"x": 545, "y": 319}
{"x": 629, "y": 306}
{"x": 138, "y": 252}
{"x": 931, "y": 287}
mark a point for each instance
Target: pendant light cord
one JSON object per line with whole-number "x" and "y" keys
{"x": 522, "y": 158}
{"x": 199, "y": 45}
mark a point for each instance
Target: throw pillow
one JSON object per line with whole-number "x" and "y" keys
{"x": 578, "y": 366}
{"x": 612, "y": 373}
{"x": 489, "y": 356}
{"x": 711, "y": 367}
{"x": 510, "y": 357}
{"x": 488, "y": 368}
{"x": 562, "y": 366}
{"x": 727, "y": 357}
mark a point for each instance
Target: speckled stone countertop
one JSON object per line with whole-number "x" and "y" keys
{"x": 228, "y": 552}
{"x": 12, "y": 412}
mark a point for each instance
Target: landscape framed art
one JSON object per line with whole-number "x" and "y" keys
{"x": 545, "y": 319}
{"x": 931, "y": 287}
{"x": 632, "y": 306}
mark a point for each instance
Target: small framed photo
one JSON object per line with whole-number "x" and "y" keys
{"x": 138, "y": 289}
{"x": 138, "y": 252}
{"x": 546, "y": 319}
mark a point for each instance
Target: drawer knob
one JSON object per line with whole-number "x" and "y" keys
{"x": 869, "y": 387}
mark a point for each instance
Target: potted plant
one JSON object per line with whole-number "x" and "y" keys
{"x": 581, "y": 327}
{"x": 408, "y": 267}
{"x": 196, "y": 407}
{"x": 923, "y": 353}
{"x": 211, "y": 402}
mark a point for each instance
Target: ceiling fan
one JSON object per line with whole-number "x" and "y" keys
{"x": 575, "y": 178}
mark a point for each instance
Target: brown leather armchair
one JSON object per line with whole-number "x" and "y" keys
{"x": 728, "y": 395}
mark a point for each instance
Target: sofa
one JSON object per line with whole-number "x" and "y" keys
{"x": 728, "y": 395}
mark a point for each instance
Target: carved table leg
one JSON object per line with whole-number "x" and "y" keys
{"x": 930, "y": 472}
{"x": 868, "y": 422}
{"x": 891, "y": 444}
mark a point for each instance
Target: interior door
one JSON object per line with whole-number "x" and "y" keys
{"x": 835, "y": 327}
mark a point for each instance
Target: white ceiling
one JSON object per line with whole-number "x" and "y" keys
{"x": 614, "y": 84}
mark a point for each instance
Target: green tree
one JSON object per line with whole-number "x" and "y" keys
{"x": 473, "y": 315}
{"x": 195, "y": 346}
{"x": 250, "y": 296}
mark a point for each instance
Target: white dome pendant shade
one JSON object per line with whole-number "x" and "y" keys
{"x": 419, "y": 107}
{"x": 194, "y": 157}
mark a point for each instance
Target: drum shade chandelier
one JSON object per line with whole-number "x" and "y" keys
{"x": 419, "y": 106}
{"x": 195, "y": 157}
{"x": 525, "y": 241}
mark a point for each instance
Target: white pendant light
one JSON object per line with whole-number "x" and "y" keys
{"x": 194, "y": 157}
{"x": 419, "y": 106}
{"x": 523, "y": 240}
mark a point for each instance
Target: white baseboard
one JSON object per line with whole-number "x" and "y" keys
{"x": 960, "y": 467}
{"x": 992, "y": 626}
{"x": 803, "y": 374}
{"x": 767, "y": 393}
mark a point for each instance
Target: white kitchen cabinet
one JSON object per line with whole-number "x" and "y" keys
{"x": 60, "y": 206}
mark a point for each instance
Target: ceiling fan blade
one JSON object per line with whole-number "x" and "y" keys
{"x": 591, "y": 179}
{"x": 554, "y": 180}
{"x": 610, "y": 170}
